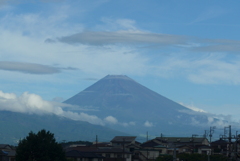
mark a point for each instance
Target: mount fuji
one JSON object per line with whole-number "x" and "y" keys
{"x": 133, "y": 108}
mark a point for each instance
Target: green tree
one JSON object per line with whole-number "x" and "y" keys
{"x": 39, "y": 147}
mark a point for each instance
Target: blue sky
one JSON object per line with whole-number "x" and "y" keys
{"x": 185, "y": 50}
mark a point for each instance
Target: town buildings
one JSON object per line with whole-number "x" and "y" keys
{"x": 127, "y": 148}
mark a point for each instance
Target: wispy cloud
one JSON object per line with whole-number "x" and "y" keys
{"x": 91, "y": 79}
{"x": 122, "y": 37}
{"x": 31, "y": 68}
{"x": 209, "y": 13}
{"x": 218, "y": 45}
{"x": 28, "y": 68}
{"x": 136, "y": 37}
{"x": 205, "y": 69}
{"x": 123, "y": 46}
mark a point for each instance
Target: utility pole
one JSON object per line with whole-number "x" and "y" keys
{"x": 211, "y": 133}
{"x": 174, "y": 153}
{"x": 225, "y": 132}
{"x": 205, "y": 134}
{"x": 230, "y": 141}
{"x": 147, "y": 136}
{"x": 193, "y": 145}
{"x": 230, "y": 149}
{"x": 147, "y": 147}
{"x": 123, "y": 149}
{"x": 96, "y": 141}
{"x": 236, "y": 146}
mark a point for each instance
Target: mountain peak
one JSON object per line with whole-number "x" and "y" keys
{"x": 117, "y": 77}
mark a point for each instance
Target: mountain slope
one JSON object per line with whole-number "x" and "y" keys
{"x": 128, "y": 101}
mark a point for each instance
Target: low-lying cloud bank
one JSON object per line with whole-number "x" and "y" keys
{"x": 202, "y": 118}
{"x": 34, "y": 104}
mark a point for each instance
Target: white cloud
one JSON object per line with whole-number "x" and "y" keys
{"x": 210, "y": 13}
{"x": 192, "y": 107}
{"x": 117, "y": 24}
{"x": 132, "y": 123}
{"x": 28, "y": 31}
{"x": 148, "y": 124}
{"x": 34, "y": 104}
{"x": 205, "y": 69}
{"x": 114, "y": 121}
{"x": 126, "y": 124}
{"x": 213, "y": 120}
{"x": 111, "y": 120}
{"x": 203, "y": 118}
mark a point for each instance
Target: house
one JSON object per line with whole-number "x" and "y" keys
{"x": 151, "y": 149}
{"x": 219, "y": 146}
{"x": 171, "y": 145}
{"x": 3, "y": 156}
{"x": 184, "y": 149}
{"x": 189, "y": 149}
{"x": 109, "y": 153}
{"x": 123, "y": 140}
{"x": 9, "y": 151}
{"x": 83, "y": 156}
{"x": 115, "y": 153}
{"x": 183, "y": 140}
{"x": 101, "y": 144}
{"x": 203, "y": 149}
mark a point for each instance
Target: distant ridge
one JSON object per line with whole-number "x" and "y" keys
{"x": 128, "y": 101}
{"x": 15, "y": 126}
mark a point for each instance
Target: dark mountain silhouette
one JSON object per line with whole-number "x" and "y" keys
{"x": 128, "y": 101}
{"x": 15, "y": 126}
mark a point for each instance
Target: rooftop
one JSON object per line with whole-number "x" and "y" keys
{"x": 123, "y": 139}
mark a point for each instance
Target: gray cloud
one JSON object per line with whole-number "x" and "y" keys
{"x": 69, "y": 68}
{"x": 140, "y": 37}
{"x": 91, "y": 79}
{"x": 49, "y": 41}
{"x": 120, "y": 37}
{"x": 27, "y": 1}
{"x": 218, "y": 45}
{"x": 31, "y": 68}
